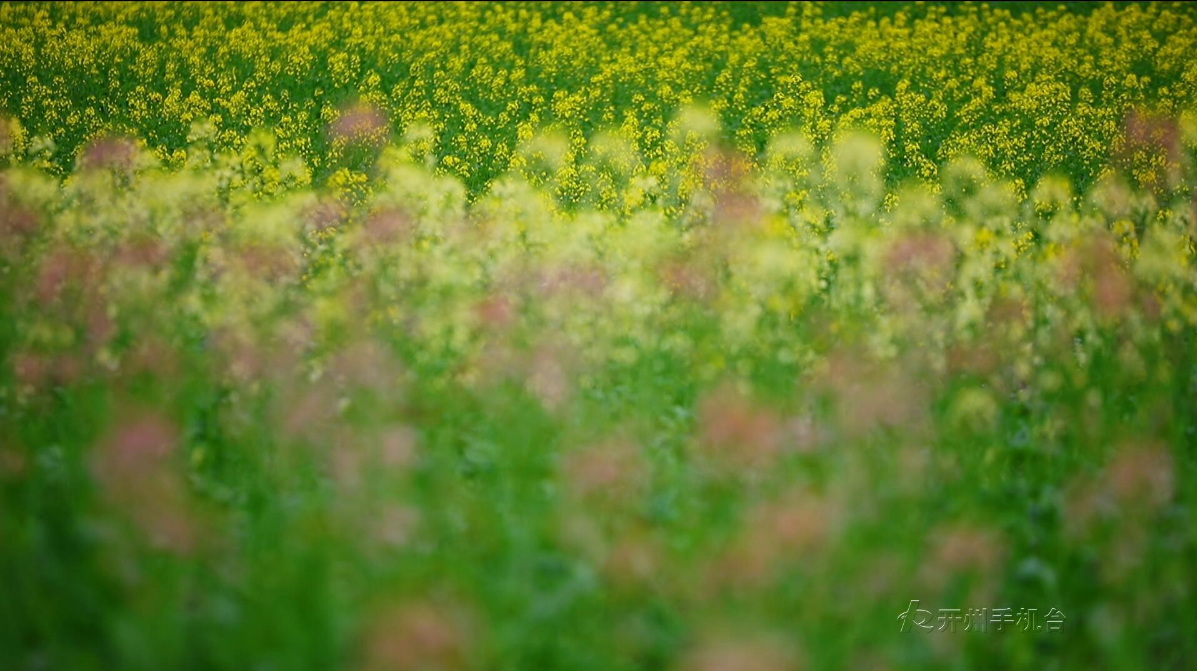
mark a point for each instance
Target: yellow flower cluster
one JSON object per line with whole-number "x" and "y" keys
{"x": 1027, "y": 92}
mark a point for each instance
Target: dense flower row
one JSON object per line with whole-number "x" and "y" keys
{"x": 1028, "y": 92}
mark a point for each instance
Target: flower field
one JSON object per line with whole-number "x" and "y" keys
{"x": 611, "y": 336}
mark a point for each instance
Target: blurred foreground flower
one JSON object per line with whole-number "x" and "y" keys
{"x": 420, "y": 636}
{"x": 360, "y": 123}
{"x": 734, "y": 433}
{"x": 609, "y": 472}
{"x": 118, "y": 154}
{"x": 135, "y": 466}
{"x": 755, "y": 652}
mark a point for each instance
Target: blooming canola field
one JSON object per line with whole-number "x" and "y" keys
{"x": 694, "y": 336}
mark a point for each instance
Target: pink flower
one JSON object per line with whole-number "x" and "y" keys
{"x": 1113, "y": 288}
{"x": 385, "y": 228}
{"x": 689, "y": 280}
{"x": 397, "y": 447}
{"x": 140, "y": 443}
{"x": 30, "y": 369}
{"x": 63, "y": 268}
{"x": 1141, "y": 477}
{"x": 549, "y": 375}
{"x": 584, "y": 281}
{"x": 365, "y": 364}
{"x": 100, "y": 327}
{"x": 726, "y": 652}
{"x": 133, "y": 465}
{"x": 919, "y": 267}
{"x": 396, "y": 526}
{"x": 151, "y": 355}
{"x": 633, "y": 561}
{"x": 324, "y": 215}
{"x": 872, "y": 395}
{"x": 610, "y": 471}
{"x": 418, "y": 636}
{"x": 308, "y": 412}
{"x": 728, "y": 176}
{"x": 791, "y": 529}
{"x": 110, "y": 153}
{"x": 42, "y": 370}
{"x": 269, "y": 263}
{"x": 733, "y": 432}
{"x": 496, "y": 312}
{"x": 144, "y": 252}
{"x": 958, "y": 551}
{"x": 362, "y": 123}
{"x": 16, "y": 221}
{"x": 1152, "y": 131}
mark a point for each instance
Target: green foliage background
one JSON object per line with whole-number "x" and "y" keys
{"x": 596, "y": 336}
